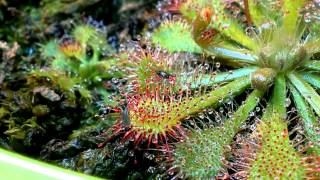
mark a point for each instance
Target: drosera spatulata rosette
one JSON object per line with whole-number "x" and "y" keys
{"x": 276, "y": 45}
{"x": 84, "y": 54}
{"x": 81, "y": 61}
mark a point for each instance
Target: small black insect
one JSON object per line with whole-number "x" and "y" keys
{"x": 163, "y": 74}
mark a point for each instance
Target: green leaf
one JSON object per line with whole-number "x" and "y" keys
{"x": 310, "y": 95}
{"x": 312, "y": 79}
{"x": 200, "y": 155}
{"x": 241, "y": 115}
{"x": 175, "y": 36}
{"x": 228, "y": 27}
{"x": 264, "y": 11}
{"x": 51, "y": 50}
{"x": 14, "y": 166}
{"x": 213, "y": 98}
{"x": 314, "y": 28}
{"x": 274, "y": 157}
{"x": 256, "y": 10}
{"x": 89, "y": 36}
{"x": 310, "y": 121}
{"x": 52, "y": 8}
{"x": 209, "y": 80}
{"x": 291, "y": 10}
{"x": 197, "y": 103}
{"x": 106, "y": 97}
{"x": 312, "y": 42}
{"x": 313, "y": 65}
{"x": 84, "y": 33}
{"x": 236, "y": 57}
{"x": 85, "y": 93}
{"x": 3, "y": 112}
{"x": 189, "y": 9}
{"x": 220, "y": 22}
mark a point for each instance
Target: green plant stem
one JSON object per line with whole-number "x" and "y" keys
{"x": 200, "y": 155}
{"x": 215, "y": 97}
{"x": 277, "y": 101}
{"x": 209, "y": 80}
{"x": 193, "y": 105}
{"x": 241, "y": 115}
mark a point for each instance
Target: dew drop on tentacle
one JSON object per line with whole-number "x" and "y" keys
{"x": 201, "y": 115}
{"x": 131, "y": 153}
{"x": 288, "y": 102}
{"x": 151, "y": 170}
{"x": 218, "y": 64}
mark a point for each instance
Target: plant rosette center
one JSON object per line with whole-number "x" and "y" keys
{"x": 277, "y": 57}
{"x": 281, "y": 58}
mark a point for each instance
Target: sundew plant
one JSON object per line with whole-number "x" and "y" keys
{"x": 270, "y": 48}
